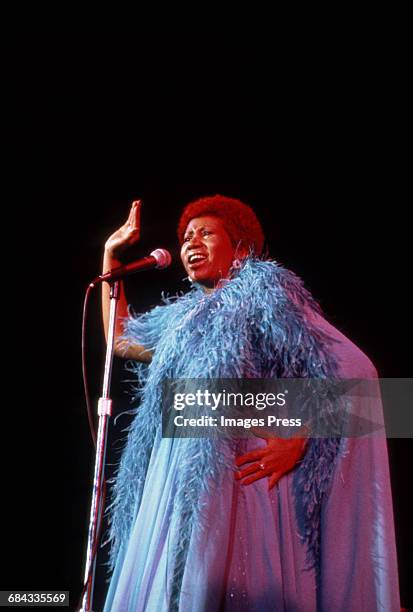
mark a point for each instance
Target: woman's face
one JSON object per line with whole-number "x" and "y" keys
{"x": 207, "y": 251}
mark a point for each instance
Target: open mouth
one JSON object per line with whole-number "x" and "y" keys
{"x": 196, "y": 259}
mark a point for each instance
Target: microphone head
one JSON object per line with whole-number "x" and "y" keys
{"x": 163, "y": 258}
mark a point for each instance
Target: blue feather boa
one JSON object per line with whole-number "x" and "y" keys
{"x": 254, "y": 326}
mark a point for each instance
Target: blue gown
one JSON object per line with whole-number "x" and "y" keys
{"x": 247, "y": 551}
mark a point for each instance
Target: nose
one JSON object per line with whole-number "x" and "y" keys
{"x": 194, "y": 241}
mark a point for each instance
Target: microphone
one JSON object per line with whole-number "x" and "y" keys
{"x": 160, "y": 258}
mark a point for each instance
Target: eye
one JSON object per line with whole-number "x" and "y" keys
{"x": 206, "y": 233}
{"x": 187, "y": 238}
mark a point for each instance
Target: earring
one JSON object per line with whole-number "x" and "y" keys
{"x": 236, "y": 264}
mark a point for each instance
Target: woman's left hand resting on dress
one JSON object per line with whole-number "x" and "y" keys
{"x": 277, "y": 458}
{"x": 126, "y": 236}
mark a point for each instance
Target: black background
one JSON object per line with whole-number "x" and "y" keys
{"x": 97, "y": 120}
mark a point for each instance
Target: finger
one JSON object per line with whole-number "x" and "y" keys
{"x": 133, "y": 224}
{"x": 132, "y": 212}
{"x": 270, "y": 462}
{"x": 137, "y": 214}
{"x": 258, "y": 476}
{"x": 263, "y": 469}
{"x": 251, "y": 456}
{"x": 245, "y": 472}
{"x": 273, "y": 480}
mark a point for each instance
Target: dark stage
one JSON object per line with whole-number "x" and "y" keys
{"x": 98, "y": 120}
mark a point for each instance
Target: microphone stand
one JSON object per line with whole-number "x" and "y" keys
{"x": 104, "y": 412}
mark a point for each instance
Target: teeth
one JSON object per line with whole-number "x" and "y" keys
{"x": 195, "y": 258}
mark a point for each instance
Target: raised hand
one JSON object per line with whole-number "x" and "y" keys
{"x": 128, "y": 234}
{"x": 276, "y": 459}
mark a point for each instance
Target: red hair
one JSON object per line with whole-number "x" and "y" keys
{"x": 239, "y": 219}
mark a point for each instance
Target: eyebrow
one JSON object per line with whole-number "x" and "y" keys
{"x": 207, "y": 226}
